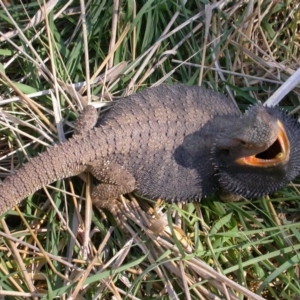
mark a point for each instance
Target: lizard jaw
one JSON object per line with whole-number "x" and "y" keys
{"x": 277, "y": 153}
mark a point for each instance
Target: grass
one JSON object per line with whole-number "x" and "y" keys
{"x": 52, "y": 66}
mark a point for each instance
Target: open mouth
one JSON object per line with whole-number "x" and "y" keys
{"x": 276, "y": 154}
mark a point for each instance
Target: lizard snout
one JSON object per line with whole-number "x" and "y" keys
{"x": 277, "y": 153}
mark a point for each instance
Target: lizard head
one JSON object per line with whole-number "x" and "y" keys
{"x": 257, "y": 153}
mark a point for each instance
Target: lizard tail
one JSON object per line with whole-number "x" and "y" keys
{"x": 66, "y": 160}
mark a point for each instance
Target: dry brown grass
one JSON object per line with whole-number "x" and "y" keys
{"x": 54, "y": 60}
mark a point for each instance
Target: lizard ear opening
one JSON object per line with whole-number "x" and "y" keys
{"x": 277, "y": 153}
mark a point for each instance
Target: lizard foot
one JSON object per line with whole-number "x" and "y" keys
{"x": 116, "y": 207}
{"x": 106, "y": 195}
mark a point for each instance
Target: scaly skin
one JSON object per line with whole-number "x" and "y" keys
{"x": 177, "y": 143}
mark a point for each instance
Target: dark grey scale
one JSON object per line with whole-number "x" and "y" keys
{"x": 178, "y": 143}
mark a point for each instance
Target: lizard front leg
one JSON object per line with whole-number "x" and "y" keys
{"x": 114, "y": 181}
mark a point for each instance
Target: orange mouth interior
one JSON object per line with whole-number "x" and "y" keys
{"x": 277, "y": 153}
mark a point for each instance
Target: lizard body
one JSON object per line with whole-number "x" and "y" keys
{"x": 178, "y": 143}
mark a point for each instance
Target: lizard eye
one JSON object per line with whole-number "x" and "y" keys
{"x": 242, "y": 142}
